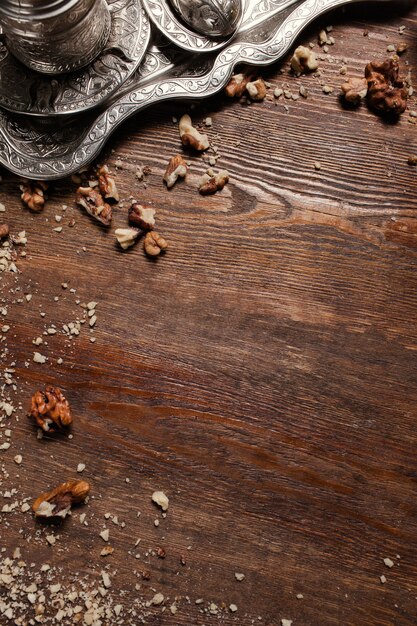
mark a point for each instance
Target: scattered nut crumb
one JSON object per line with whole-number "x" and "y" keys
{"x": 161, "y": 500}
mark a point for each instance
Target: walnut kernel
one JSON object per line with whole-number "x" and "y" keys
{"x": 154, "y": 244}
{"x": 237, "y": 86}
{"x": 142, "y": 216}
{"x": 33, "y": 194}
{"x": 58, "y": 502}
{"x": 256, "y": 90}
{"x": 4, "y": 231}
{"x": 304, "y": 60}
{"x": 92, "y": 201}
{"x": 107, "y": 184}
{"x": 126, "y": 237}
{"x": 177, "y": 168}
{"x": 190, "y": 136}
{"x": 210, "y": 183}
{"x": 354, "y": 90}
{"x": 387, "y": 92}
{"x": 50, "y": 407}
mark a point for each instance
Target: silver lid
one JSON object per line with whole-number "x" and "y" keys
{"x": 35, "y": 9}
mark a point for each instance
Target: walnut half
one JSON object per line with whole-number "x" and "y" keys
{"x": 58, "y": 502}
{"x": 154, "y": 244}
{"x": 49, "y": 408}
{"x": 33, "y": 194}
{"x": 387, "y": 92}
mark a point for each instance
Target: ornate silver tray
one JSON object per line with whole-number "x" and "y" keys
{"x": 47, "y": 148}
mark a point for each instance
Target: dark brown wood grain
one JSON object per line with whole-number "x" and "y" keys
{"x": 263, "y": 373}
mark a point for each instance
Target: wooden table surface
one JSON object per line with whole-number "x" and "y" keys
{"x": 263, "y": 373}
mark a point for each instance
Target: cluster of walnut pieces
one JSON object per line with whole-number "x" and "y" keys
{"x": 58, "y": 502}
{"x": 50, "y": 409}
{"x": 141, "y": 220}
{"x": 33, "y": 194}
{"x": 240, "y": 85}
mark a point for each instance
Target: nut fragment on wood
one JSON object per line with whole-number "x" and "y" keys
{"x": 50, "y": 409}
{"x": 126, "y": 237}
{"x": 177, "y": 168}
{"x": 33, "y": 194}
{"x": 93, "y": 202}
{"x": 412, "y": 160}
{"x": 4, "y": 231}
{"x": 58, "y": 502}
{"x": 354, "y": 90}
{"x": 161, "y": 499}
{"x": 107, "y": 184}
{"x": 256, "y": 90}
{"x": 236, "y": 87}
{"x": 210, "y": 183}
{"x": 154, "y": 244}
{"x": 304, "y": 60}
{"x": 387, "y": 92}
{"x": 190, "y": 136}
{"x": 142, "y": 216}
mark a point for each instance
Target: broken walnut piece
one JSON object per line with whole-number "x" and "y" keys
{"x": 33, "y": 194}
{"x": 387, "y": 92}
{"x": 154, "y": 244}
{"x": 142, "y": 216}
{"x": 107, "y": 184}
{"x": 354, "y": 90}
{"x": 303, "y": 60}
{"x": 210, "y": 183}
{"x": 190, "y": 136}
{"x": 236, "y": 86}
{"x": 93, "y": 202}
{"x": 126, "y": 237}
{"x": 58, "y": 502}
{"x": 256, "y": 90}
{"x": 177, "y": 168}
{"x": 4, "y": 231}
{"x": 49, "y": 408}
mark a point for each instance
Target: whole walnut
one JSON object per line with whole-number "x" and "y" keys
{"x": 50, "y": 409}
{"x": 387, "y": 92}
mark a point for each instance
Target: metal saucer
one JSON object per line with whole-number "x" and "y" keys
{"x": 24, "y": 91}
{"x": 164, "y": 18}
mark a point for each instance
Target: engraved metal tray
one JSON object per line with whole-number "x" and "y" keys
{"x": 50, "y": 148}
